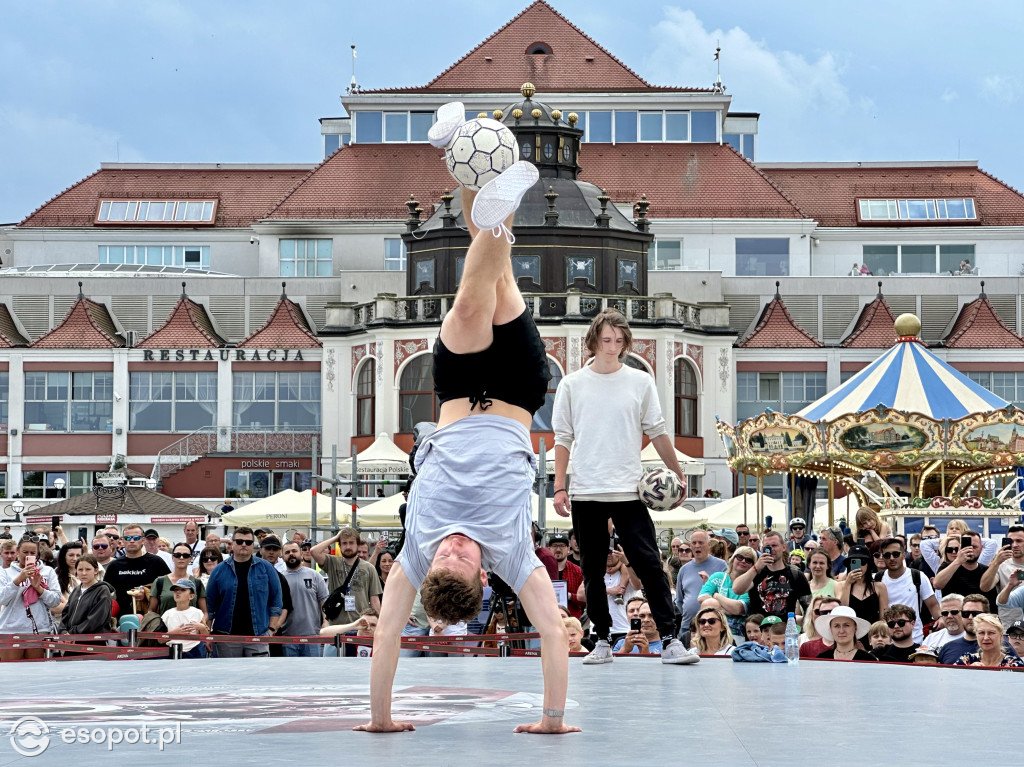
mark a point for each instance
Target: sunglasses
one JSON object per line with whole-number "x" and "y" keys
{"x": 242, "y": 542}
{"x": 947, "y": 613}
{"x": 819, "y": 613}
{"x": 209, "y": 559}
{"x": 901, "y": 623}
{"x": 952, "y": 550}
{"x": 707, "y": 621}
{"x": 101, "y": 545}
{"x": 891, "y": 555}
{"x": 970, "y": 613}
{"x": 132, "y": 538}
{"x": 748, "y": 560}
{"x": 685, "y": 551}
{"x": 181, "y": 555}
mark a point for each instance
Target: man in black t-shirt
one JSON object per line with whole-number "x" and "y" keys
{"x": 963, "y": 575}
{"x": 135, "y": 569}
{"x": 774, "y": 586}
{"x": 901, "y": 620}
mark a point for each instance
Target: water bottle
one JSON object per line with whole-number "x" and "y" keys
{"x": 792, "y": 640}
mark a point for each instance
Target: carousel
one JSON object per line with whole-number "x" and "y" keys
{"x": 908, "y": 435}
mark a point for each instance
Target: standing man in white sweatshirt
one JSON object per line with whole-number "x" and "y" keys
{"x": 601, "y": 414}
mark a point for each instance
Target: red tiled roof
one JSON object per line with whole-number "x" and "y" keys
{"x": 9, "y": 333}
{"x": 777, "y": 330}
{"x": 874, "y": 328}
{"x": 87, "y": 325}
{"x": 685, "y": 180}
{"x": 829, "y": 194}
{"x": 979, "y": 327}
{"x": 243, "y": 195}
{"x": 188, "y": 327}
{"x": 287, "y": 328}
{"x": 501, "y": 63}
{"x": 372, "y": 181}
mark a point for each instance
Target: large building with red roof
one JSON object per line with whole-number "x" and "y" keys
{"x": 142, "y": 316}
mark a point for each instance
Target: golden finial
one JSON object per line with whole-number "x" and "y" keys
{"x": 536, "y": 114}
{"x": 517, "y": 113}
{"x": 573, "y": 119}
{"x": 556, "y": 114}
{"x": 527, "y": 90}
{"x": 481, "y": 114}
{"x": 497, "y": 114}
{"x": 907, "y": 326}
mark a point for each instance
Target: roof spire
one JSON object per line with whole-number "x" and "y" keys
{"x": 879, "y": 290}
{"x": 284, "y": 296}
{"x": 777, "y": 296}
{"x": 183, "y": 294}
{"x": 81, "y": 295}
{"x": 983, "y": 290}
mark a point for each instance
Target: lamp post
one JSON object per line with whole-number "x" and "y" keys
{"x": 59, "y": 484}
{"x": 17, "y": 507}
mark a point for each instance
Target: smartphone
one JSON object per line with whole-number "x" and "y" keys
{"x": 1006, "y": 542}
{"x": 54, "y": 523}
{"x": 384, "y": 537}
{"x": 634, "y": 624}
{"x": 854, "y": 564}
{"x": 83, "y": 533}
{"x": 30, "y": 561}
{"x": 966, "y": 540}
{"x": 1020, "y": 576}
{"x": 767, "y": 550}
{"x": 862, "y": 542}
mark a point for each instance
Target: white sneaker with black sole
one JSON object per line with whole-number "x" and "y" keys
{"x": 450, "y": 118}
{"x": 677, "y": 655}
{"x": 499, "y": 198}
{"x": 602, "y": 653}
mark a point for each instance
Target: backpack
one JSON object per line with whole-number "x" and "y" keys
{"x": 922, "y": 611}
{"x": 151, "y": 623}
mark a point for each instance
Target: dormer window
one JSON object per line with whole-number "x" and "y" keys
{"x": 539, "y": 49}
{"x": 917, "y": 209}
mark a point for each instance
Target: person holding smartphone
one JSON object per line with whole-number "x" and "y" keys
{"x": 28, "y": 591}
{"x": 1007, "y": 561}
{"x": 963, "y": 575}
{"x": 775, "y": 586}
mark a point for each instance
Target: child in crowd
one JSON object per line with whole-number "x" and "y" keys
{"x": 185, "y": 619}
{"x": 752, "y": 628}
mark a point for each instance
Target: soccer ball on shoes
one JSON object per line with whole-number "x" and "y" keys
{"x": 660, "y": 489}
{"x": 479, "y": 151}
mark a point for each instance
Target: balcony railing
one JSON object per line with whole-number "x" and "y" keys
{"x": 258, "y": 440}
{"x": 663, "y": 308}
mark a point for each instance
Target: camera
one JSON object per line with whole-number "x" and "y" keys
{"x": 634, "y": 624}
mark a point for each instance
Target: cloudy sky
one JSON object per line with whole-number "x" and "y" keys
{"x": 225, "y": 81}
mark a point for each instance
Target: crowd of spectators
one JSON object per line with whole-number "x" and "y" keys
{"x": 862, "y": 594}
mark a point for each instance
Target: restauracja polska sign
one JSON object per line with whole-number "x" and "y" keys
{"x": 212, "y": 355}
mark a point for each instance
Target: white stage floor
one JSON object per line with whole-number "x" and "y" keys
{"x": 287, "y": 711}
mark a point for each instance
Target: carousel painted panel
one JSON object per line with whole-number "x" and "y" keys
{"x": 777, "y": 442}
{"x": 989, "y": 439}
{"x": 882, "y": 437}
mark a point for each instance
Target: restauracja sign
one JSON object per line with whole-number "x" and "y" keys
{"x": 211, "y": 355}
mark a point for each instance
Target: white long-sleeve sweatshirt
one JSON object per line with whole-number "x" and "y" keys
{"x": 601, "y": 419}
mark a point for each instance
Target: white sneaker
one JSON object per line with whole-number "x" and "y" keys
{"x": 450, "y": 118}
{"x": 676, "y": 654}
{"x": 602, "y": 653}
{"x": 499, "y": 198}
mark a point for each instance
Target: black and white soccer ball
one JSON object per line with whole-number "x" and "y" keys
{"x": 660, "y": 489}
{"x": 479, "y": 151}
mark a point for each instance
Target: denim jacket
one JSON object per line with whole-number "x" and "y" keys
{"x": 264, "y": 595}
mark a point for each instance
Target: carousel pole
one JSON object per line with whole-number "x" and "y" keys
{"x": 792, "y": 495}
{"x": 831, "y": 495}
{"x": 760, "y": 502}
{"x": 745, "y": 499}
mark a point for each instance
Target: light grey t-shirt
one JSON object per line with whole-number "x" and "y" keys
{"x": 474, "y": 477}
{"x": 689, "y": 584}
{"x": 308, "y": 591}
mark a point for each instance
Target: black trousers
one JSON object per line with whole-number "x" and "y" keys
{"x": 636, "y": 534}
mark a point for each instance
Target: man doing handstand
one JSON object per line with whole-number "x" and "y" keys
{"x": 469, "y": 507}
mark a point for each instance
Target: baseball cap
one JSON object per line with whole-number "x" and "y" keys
{"x": 924, "y": 652}
{"x": 151, "y": 533}
{"x": 730, "y": 535}
{"x": 771, "y": 620}
{"x": 184, "y": 583}
{"x": 559, "y": 538}
{"x": 270, "y": 542}
{"x": 1016, "y": 626}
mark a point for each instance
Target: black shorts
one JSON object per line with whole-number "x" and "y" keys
{"x": 513, "y": 369}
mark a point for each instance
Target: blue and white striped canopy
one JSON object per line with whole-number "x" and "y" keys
{"x": 907, "y": 377}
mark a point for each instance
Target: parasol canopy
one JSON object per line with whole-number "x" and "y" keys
{"x": 382, "y": 457}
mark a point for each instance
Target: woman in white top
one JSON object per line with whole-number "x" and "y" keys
{"x": 28, "y": 590}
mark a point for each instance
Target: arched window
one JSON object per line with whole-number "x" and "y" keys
{"x": 366, "y": 391}
{"x": 539, "y": 49}
{"x": 416, "y": 398}
{"x": 634, "y": 362}
{"x": 686, "y": 399}
{"x": 542, "y": 418}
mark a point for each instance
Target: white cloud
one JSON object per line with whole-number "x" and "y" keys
{"x": 1000, "y": 88}
{"x": 949, "y": 95}
{"x": 780, "y": 81}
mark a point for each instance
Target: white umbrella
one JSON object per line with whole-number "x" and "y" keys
{"x": 382, "y": 457}
{"x": 649, "y": 458}
{"x": 729, "y": 513}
